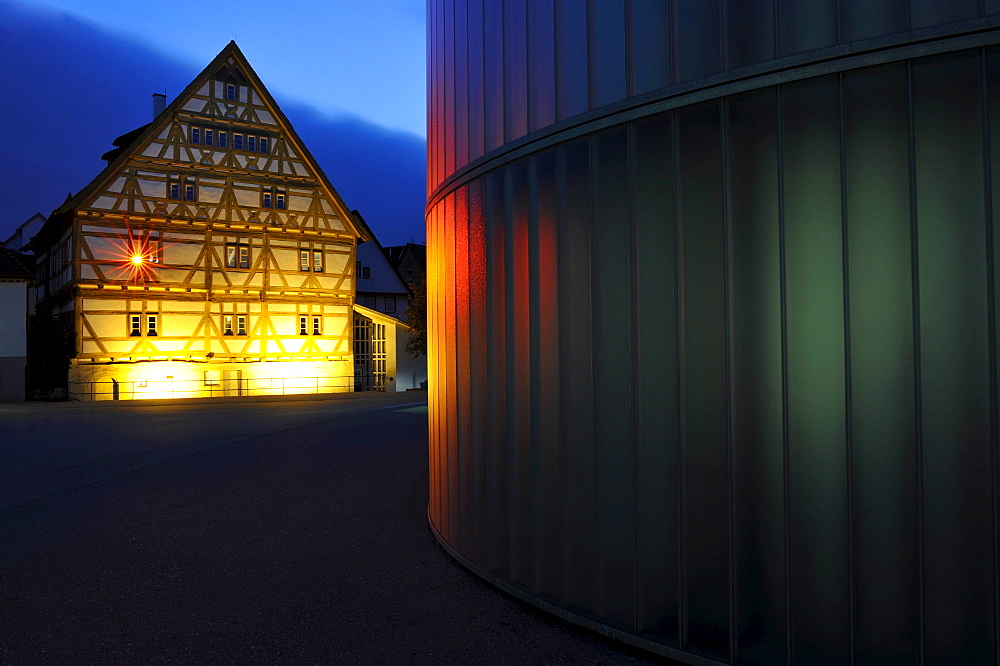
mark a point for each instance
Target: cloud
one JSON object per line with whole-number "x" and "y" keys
{"x": 69, "y": 89}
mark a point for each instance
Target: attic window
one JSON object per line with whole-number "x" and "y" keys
{"x": 230, "y": 92}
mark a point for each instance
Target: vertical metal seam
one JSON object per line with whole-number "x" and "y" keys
{"x": 992, "y": 325}
{"x": 529, "y": 98}
{"x": 559, "y": 174}
{"x": 848, "y": 385}
{"x": 784, "y": 370}
{"x": 727, "y": 272}
{"x": 629, "y": 49}
{"x": 679, "y": 378}
{"x": 776, "y": 19}
{"x": 534, "y": 345}
{"x": 633, "y": 269}
{"x": 675, "y": 71}
{"x": 838, "y": 9}
{"x": 917, "y": 388}
{"x": 590, "y": 59}
{"x": 723, "y": 17}
{"x": 594, "y": 191}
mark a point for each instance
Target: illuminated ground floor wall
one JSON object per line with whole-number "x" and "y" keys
{"x": 181, "y": 379}
{"x": 718, "y": 375}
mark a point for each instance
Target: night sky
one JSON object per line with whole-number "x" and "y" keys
{"x": 70, "y": 82}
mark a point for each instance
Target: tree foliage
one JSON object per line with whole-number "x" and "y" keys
{"x": 416, "y": 317}
{"x": 50, "y": 347}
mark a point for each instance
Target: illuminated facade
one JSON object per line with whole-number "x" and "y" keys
{"x": 211, "y": 256}
{"x": 712, "y": 320}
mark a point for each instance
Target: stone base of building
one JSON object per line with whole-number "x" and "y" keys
{"x": 147, "y": 380}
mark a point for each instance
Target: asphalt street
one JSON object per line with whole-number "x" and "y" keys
{"x": 243, "y": 532}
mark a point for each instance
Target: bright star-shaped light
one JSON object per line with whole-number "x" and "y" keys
{"x": 133, "y": 257}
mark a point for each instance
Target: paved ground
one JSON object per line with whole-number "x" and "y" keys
{"x": 290, "y": 531}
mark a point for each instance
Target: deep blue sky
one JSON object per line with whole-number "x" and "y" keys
{"x": 75, "y": 74}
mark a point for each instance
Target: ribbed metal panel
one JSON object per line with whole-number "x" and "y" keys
{"x": 713, "y": 320}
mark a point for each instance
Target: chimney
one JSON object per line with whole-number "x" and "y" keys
{"x": 159, "y": 103}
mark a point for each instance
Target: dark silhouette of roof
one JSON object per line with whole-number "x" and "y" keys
{"x": 13, "y": 264}
{"x": 395, "y": 253}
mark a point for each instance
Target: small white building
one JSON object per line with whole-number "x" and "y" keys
{"x": 381, "y": 362}
{"x": 15, "y": 274}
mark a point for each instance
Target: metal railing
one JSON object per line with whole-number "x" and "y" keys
{"x": 148, "y": 389}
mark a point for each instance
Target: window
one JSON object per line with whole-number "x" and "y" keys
{"x": 370, "y": 302}
{"x": 390, "y": 303}
{"x": 279, "y": 200}
{"x": 175, "y": 190}
{"x": 195, "y": 135}
{"x": 263, "y": 144}
{"x": 223, "y": 141}
{"x": 409, "y": 274}
{"x": 366, "y": 273}
{"x": 251, "y": 143}
{"x": 237, "y": 142}
{"x": 154, "y": 247}
{"x": 267, "y": 199}
{"x": 303, "y": 260}
{"x": 227, "y": 324}
{"x": 318, "y": 261}
{"x": 317, "y": 328}
{"x": 302, "y": 326}
{"x": 237, "y": 255}
{"x": 241, "y": 325}
{"x": 211, "y": 378}
{"x": 150, "y": 324}
{"x": 189, "y": 191}
{"x": 134, "y": 325}
{"x": 209, "y": 137}
{"x": 231, "y": 92}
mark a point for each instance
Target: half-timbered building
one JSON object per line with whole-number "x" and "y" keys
{"x": 211, "y": 256}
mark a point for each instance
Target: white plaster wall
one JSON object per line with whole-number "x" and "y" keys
{"x": 14, "y": 318}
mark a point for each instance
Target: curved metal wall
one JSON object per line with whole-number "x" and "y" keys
{"x": 714, "y": 365}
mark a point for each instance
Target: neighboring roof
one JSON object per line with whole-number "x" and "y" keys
{"x": 136, "y": 137}
{"x": 363, "y": 227}
{"x": 396, "y": 252}
{"x": 13, "y": 264}
{"x": 123, "y": 142}
{"x": 381, "y": 317}
{"x": 24, "y": 232}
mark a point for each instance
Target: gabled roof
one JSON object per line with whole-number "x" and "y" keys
{"x": 15, "y": 265}
{"x": 129, "y": 142}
